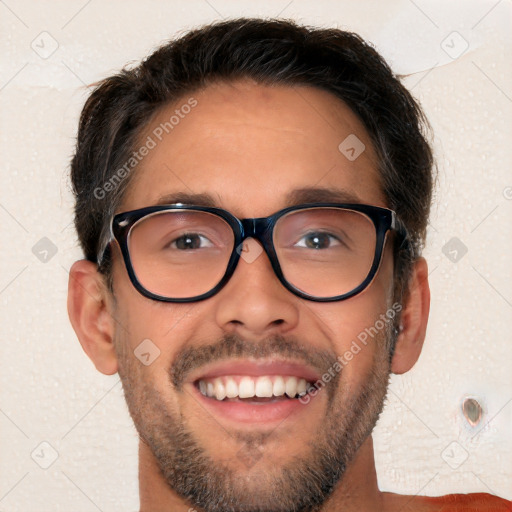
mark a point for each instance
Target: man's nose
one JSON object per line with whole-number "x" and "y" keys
{"x": 254, "y": 303}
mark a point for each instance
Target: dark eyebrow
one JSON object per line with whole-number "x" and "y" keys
{"x": 293, "y": 198}
{"x": 320, "y": 195}
{"x": 188, "y": 198}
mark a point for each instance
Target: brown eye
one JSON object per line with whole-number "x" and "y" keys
{"x": 191, "y": 241}
{"x": 317, "y": 241}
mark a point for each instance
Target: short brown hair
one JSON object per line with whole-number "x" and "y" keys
{"x": 269, "y": 52}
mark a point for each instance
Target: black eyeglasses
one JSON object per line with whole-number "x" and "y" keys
{"x": 321, "y": 252}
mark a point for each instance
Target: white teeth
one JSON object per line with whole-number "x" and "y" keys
{"x": 279, "y": 386}
{"x": 291, "y": 387}
{"x": 220, "y": 390}
{"x": 248, "y": 387}
{"x": 231, "y": 388}
{"x": 301, "y": 387}
{"x": 264, "y": 387}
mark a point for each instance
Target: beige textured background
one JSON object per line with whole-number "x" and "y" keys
{"x": 50, "y": 392}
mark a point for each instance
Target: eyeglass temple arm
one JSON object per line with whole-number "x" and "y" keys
{"x": 102, "y": 251}
{"x": 400, "y": 228}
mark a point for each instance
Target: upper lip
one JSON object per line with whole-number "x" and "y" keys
{"x": 255, "y": 368}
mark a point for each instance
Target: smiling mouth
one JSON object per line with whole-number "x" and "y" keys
{"x": 260, "y": 389}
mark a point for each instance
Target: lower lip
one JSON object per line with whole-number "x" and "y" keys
{"x": 247, "y": 412}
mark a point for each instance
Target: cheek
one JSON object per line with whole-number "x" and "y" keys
{"x": 152, "y": 334}
{"x": 139, "y": 318}
{"x": 361, "y": 337}
{"x": 148, "y": 331}
{"x": 359, "y": 327}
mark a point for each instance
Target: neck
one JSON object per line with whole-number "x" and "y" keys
{"x": 358, "y": 489}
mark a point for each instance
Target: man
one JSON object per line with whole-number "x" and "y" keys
{"x": 252, "y": 201}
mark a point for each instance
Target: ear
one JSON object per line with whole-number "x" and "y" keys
{"x": 90, "y": 312}
{"x": 413, "y": 320}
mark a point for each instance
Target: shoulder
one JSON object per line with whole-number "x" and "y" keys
{"x": 477, "y": 502}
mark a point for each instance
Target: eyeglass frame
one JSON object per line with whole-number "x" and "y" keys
{"x": 262, "y": 230}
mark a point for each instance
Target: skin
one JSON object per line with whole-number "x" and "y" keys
{"x": 248, "y": 145}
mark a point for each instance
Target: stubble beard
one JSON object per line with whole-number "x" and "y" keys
{"x": 301, "y": 485}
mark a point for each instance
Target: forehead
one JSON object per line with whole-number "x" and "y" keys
{"x": 251, "y": 147}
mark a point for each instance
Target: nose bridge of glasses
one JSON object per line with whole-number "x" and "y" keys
{"x": 258, "y": 229}
{"x": 254, "y": 228}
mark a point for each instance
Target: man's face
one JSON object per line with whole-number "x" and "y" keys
{"x": 249, "y": 146}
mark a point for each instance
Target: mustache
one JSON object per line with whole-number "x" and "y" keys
{"x": 233, "y": 346}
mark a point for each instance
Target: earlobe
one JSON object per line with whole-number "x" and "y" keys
{"x": 414, "y": 320}
{"x": 89, "y": 309}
